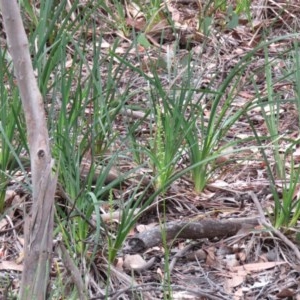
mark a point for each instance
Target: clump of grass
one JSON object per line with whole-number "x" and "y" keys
{"x": 180, "y": 123}
{"x": 12, "y": 134}
{"x": 232, "y": 14}
{"x": 271, "y": 113}
{"x": 165, "y": 149}
{"x": 206, "y": 139}
{"x": 282, "y": 169}
{"x": 286, "y": 203}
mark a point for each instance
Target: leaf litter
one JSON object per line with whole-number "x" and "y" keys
{"x": 252, "y": 264}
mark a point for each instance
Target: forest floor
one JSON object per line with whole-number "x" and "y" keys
{"x": 225, "y": 246}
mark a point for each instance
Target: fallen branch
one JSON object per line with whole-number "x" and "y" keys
{"x": 188, "y": 230}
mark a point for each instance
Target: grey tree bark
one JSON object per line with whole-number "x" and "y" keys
{"x": 39, "y": 223}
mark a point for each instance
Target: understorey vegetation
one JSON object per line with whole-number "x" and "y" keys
{"x": 174, "y": 129}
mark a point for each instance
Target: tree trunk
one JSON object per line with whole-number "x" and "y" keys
{"x": 39, "y": 223}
